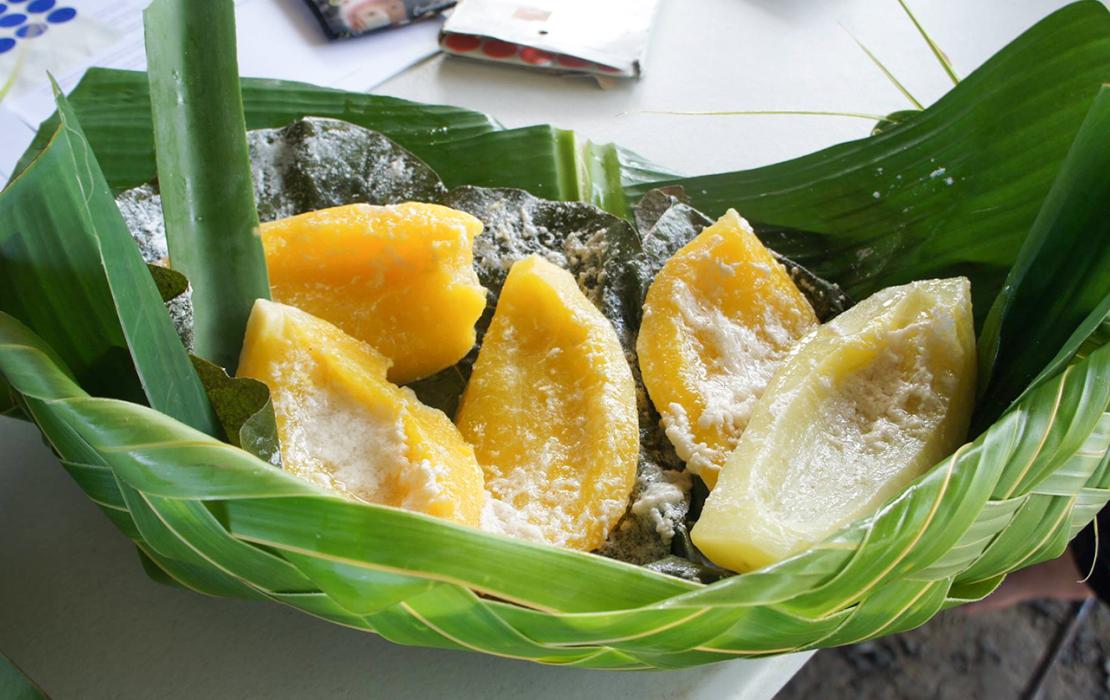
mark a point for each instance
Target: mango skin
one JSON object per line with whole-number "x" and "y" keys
{"x": 862, "y": 407}
{"x": 398, "y": 277}
{"x": 551, "y": 409}
{"x": 317, "y": 373}
{"x": 718, "y": 320}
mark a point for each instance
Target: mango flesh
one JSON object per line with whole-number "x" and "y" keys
{"x": 719, "y": 319}
{"x": 398, "y": 277}
{"x": 551, "y": 411}
{"x": 343, "y": 426}
{"x": 862, "y": 407}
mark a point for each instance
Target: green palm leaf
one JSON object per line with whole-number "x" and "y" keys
{"x": 202, "y": 510}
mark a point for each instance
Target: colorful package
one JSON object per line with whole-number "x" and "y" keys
{"x": 606, "y": 38}
{"x": 346, "y": 18}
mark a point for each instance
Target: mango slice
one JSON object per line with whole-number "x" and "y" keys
{"x": 862, "y": 407}
{"x": 399, "y": 277}
{"x": 551, "y": 411}
{"x": 344, "y": 427}
{"x": 718, "y": 320}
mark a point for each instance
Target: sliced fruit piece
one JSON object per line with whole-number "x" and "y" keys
{"x": 343, "y": 426}
{"x": 718, "y": 320}
{"x": 861, "y": 407}
{"x": 551, "y": 411}
{"x": 399, "y": 277}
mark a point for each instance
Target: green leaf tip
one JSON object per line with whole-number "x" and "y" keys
{"x": 885, "y": 71}
{"x": 941, "y": 57}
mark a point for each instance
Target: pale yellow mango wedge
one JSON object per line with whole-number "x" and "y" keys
{"x": 718, "y": 320}
{"x": 862, "y": 407}
{"x": 399, "y": 277}
{"x": 551, "y": 411}
{"x": 342, "y": 425}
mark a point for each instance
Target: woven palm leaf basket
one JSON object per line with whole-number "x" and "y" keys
{"x": 1004, "y": 180}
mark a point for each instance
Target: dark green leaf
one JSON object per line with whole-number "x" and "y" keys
{"x": 442, "y": 390}
{"x": 1062, "y": 273}
{"x": 176, "y": 295}
{"x": 686, "y": 560}
{"x": 204, "y": 174}
{"x": 674, "y": 228}
{"x": 244, "y": 409}
{"x": 308, "y": 165}
{"x": 601, "y": 250}
{"x": 826, "y": 298}
{"x": 680, "y": 567}
{"x": 654, "y": 204}
{"x": 318, "y": 163}
{"x": 171, "y": 283}
{"x": 638, "y": 537}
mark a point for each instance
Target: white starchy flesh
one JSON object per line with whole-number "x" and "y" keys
{"x": 860, "y": 408}
{"x": 340, "y": 444}
{"x": 661, "y": 503}
{"x": 352, "y": 447}
{"x": 732, "y": 381}
{"x": 734, "y": 377}
{"x": 505, "y": 519}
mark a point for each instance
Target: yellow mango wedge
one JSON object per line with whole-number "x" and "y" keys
{"x": 343, "y": 426}
{"x": 718, "y": 320}
{"x": 862, "y": 407}
{"x": 399, "y": 277}
{"x": 551, "y": 411}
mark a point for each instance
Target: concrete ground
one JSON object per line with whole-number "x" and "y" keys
{"x": 966, "y": 656}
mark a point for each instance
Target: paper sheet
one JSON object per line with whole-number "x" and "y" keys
{"x": 612, "y": 34}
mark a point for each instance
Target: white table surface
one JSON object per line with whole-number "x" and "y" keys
{"x": 78, "y": 614}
